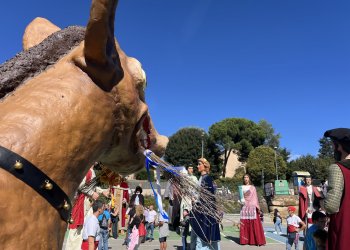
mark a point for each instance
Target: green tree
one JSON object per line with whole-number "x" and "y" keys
{"x": 185, "y": 147}
{"x": 285, "y": 153}
{"x": 142, "y": 175}
{"x": 326, "y": 148}
{"x": 236, "y": 134}
{"x": 316, "y": 166}
{"x": 261, "y": 161}
{"x": 271, "y": 138}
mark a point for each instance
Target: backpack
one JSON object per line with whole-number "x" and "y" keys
{"x": 104, "y": 222}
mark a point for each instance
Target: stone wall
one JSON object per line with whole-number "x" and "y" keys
{"x": 282, "y": 202}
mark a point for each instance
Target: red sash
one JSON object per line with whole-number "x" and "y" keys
{"x": 85, "y": 245}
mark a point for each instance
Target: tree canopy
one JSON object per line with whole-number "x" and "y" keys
{"x": 316, "y": 166}
{"x": 326, "y": 148}
{"x": 261, "y": 160}
{"x": 271, "y": 138}
{"x": 238, "y": 134}
{"x": 185, "y": 147}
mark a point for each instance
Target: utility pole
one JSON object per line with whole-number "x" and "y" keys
{"x": 202, "y": 144}
{"x": 262, "y": 180}
{"x": 276, "y": 163}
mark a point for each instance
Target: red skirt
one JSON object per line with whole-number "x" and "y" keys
{"x": 251, "y": 232}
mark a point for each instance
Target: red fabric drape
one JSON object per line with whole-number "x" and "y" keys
{"x": 78, "y": 208}
{"x": 126, "y": 196}
{"x": 303, "y": 200}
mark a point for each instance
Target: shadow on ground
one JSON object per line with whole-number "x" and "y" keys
{"x": 235, "y": 239}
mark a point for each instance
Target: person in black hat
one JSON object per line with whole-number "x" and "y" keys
{"x": 337, "y": 202}
{"x": 137, "y": 198}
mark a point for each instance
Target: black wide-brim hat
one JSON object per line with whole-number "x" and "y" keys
{"x": 138, "y": 188}
{"x": 339, "y": 134}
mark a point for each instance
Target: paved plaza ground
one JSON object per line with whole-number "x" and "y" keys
{"x": 229, "y": 238}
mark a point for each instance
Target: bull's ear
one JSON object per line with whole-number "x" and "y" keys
{"x": 37, "y": 31}
{"x": 101, "y": 55}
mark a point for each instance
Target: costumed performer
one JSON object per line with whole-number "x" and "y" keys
{"x": 205, "y": 227}
{"x": 337, "y": 202}
{"x": 82, "y": 208}
{"x": 125, "y": 200}
{"x": 309, "y": 196}
{"x": 137, "y": 198}
{"x": 251, "y": 230}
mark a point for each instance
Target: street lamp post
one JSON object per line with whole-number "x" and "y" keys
{"x": 202, "y": 144}
{"x": 276, "y": 163}
{"x": 262, "y": 180}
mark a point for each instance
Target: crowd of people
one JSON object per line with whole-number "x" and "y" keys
{"x": 321, "y": 213}
{"x": 96, "y": 219}
{"x": 322, "y": 210}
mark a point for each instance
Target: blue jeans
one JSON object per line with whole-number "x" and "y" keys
{"x": 278, "y": 224}
{"x": 127, "y": 240}
{"x": 103, "y": 243}
{"x": 292, "y": 239}
{"x": 184, "y": 242}
{"x": 150, "y": 229}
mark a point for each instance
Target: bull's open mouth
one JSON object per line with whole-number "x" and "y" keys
{"x": 142, "y": 133}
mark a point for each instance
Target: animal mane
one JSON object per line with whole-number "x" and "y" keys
{"x": 35, "y": 60}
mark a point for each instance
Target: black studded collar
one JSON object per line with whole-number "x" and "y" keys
{"x": 37, "y": 180}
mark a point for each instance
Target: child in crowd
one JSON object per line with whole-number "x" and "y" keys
{"x": 294, "y": 226}
{"x": 319, "y": 220}
{"x": 162, "y": 223}
{"x": 277, "y": 220}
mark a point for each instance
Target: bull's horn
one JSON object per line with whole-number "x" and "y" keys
{"x": 101, "y": 56}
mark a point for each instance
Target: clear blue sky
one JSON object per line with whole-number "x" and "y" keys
{"x": 286, "y": 61}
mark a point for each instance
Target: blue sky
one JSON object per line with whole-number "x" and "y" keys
{"x": 285, "y": 61}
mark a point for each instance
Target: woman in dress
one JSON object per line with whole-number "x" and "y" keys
{"x": 251, "y": 230}
{"x": 205, "y": 227}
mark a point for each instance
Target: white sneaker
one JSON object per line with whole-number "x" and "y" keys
{"x": 275, "y": 232}
{"x": 280, "y": 233}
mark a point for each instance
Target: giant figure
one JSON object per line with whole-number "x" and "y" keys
{"x": 71, "y": 98}
{"x": 309, "y": 199}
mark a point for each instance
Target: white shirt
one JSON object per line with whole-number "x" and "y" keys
{"x": 294, "y": 221}
{"x": 91, "y": 228}
{"x": 137, "y": 200}
{"x": 310, "y": 196}
{"x": 245, "y": 188}
{"x": 151, "y": 216}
